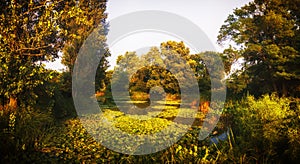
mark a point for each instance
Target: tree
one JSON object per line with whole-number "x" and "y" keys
{"x": 153, "y": 57}
{"x": 78, "y": 19}
{"x": 267, "y": 34}
{"x": 200, "y": 63}
{"x": 175, "y": 48}
{"x": 157, "y": 72}
{"x": 28, "y": 36}
{"x": 127, "y": 65}
{"x": 176, "y": 56}
{"x": 162, "y": 67}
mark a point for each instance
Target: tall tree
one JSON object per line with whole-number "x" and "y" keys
{"x": 176, "y": 56}
{"x": 207, "y": 71}
{"x": 77, "y": 21}
{"x": 267, "y": 34}
{"x": 127, "y": 65}
{"x": 157, "y": 73}
{"x": 28, "y": 36}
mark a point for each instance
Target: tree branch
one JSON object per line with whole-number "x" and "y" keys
{"x": 28, "y": 54}
{"x": 32, "y": 49}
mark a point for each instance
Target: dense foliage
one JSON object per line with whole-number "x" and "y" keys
{"x": 267, "y": 129}
{"x": 159, "y": 67}
{"x": 38, "y": 122}
{"x": 266, "y": 35}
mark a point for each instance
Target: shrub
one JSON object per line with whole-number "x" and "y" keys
{"x": 21, "y": 132}
{"x": 264, "y": 128}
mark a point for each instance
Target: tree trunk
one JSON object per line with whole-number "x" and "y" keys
{"x": 13, "y": 102}
{"x": 274, "y": 86}
{"x": 284, "y": 90}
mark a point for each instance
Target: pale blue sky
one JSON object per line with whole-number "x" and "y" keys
{"x": 209, "y": 15}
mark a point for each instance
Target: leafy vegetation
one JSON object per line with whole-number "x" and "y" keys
{"x": 39, "y": 124}
{"x": 266, "y": 129}
{"x": 267, "y": 37}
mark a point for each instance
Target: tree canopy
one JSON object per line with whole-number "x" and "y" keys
{"x": 29, "y": 35}
{"x": 266, "y": 36}
{"x": 33, "y": 32}
{"x": 159, "y": 67}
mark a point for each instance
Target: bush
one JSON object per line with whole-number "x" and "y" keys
{"x": 139, "y": 96}
{"x": 22, "y": 131}
{"x": 265, "y": 129}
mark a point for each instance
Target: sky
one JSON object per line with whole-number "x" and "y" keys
{"x": 208, "y": 15}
